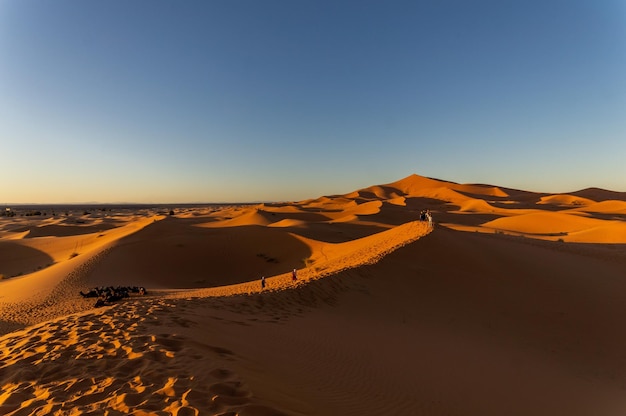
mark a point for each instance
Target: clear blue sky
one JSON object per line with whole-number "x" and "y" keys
{"x": 164, "y": 101}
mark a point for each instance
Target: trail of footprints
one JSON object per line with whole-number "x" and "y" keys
{"x": 107, "y": 364}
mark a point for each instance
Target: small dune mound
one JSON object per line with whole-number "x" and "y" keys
{"x": 445, "y": 194}
{"x": 485, "y": 190}
{"x": 13, "y": 235}
{"x": 476, "y": 205}
{"x": 344, "y": 218}
{"x": 400, "y": 201}
{"x": 287, "y": 223}
{"x": 358, "y": 195}
{"x": 605, "y": 207}
{"x": 330, "y": 203}
{"x": 545, "y": 223}
{"x": 251, "y": 216}
{"x": 565, "y": 200}
{"x": 377, "y": 192}
{"x": 280, "y": 208}
{"x": 368, "y": 208}
{"x": 610, "y": 233}
{"x": 353, "y": 214}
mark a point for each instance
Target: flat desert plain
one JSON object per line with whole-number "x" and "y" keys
{"x": 512, "y": 303}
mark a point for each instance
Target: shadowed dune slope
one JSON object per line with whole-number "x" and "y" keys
{"x": 599, "y": 195}
{"x": 455, "y": 323}
{"x": 17, "y": 259}
{"x": 173, "y": 253}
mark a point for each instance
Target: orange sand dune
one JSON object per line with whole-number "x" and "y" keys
{"x": 329, "y": 203}
{"x": 544, "y": 223}
{"x": 24, "y": 256}
{"x": 605, "y": 207}
{"x": 295, "y": 213}
{"x": 444, "y": 194}
{"x": 434, "y": 336}
{"x": 418, "y": 186}
{"x": 353, "y": 213}
{"x": 608, "y": 232}
{"x": 415, "y": 185}
{"x": 288, "y": 223}
{"x": 397, "y": 201}
{"x": 199, "y": 256}
{"x": 565, "y": 200}
{"x": 476, "y": 205}
{"x": 324, "y": 259}
{"x": 251, "y": 216}
{"x": 265, "y": 216}
{"x": 386, "y": 316}
{"x": 426, "y": 334}
{"x": 376, "y": 192}
{"x": 598, "y": 194}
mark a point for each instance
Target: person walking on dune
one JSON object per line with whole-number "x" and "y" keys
{"x": 294, "y": 275}
{"x": 262, "y": 282}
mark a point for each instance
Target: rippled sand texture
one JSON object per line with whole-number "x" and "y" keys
{"x": 124, "y": 360}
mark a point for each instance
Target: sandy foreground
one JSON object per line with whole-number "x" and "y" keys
{"x": 514, "y": 303}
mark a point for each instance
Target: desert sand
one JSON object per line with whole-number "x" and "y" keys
{"x": 513, "y": 303}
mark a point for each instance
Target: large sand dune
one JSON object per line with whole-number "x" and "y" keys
{"x": 513, "y": 304}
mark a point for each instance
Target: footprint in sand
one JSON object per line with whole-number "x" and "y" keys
{"x": 259, "y": 410}
{"x": 221, "y": 373}
{"x": 222, "y": 352}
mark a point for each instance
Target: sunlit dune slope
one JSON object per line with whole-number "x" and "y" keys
{"x": 414, "y": 185}
{"x": 24, "y": 256}
{"x": 329, "y": 204}
{"x": 607, "y": 232}
{"x": 565, "y": 200}
{"x": 252, "y": 216}
{"x": 544, "y": 223}
{"x": 288, "y": 223}
{"x": 605, "y": 207}
{"x": 565, "y": 226}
